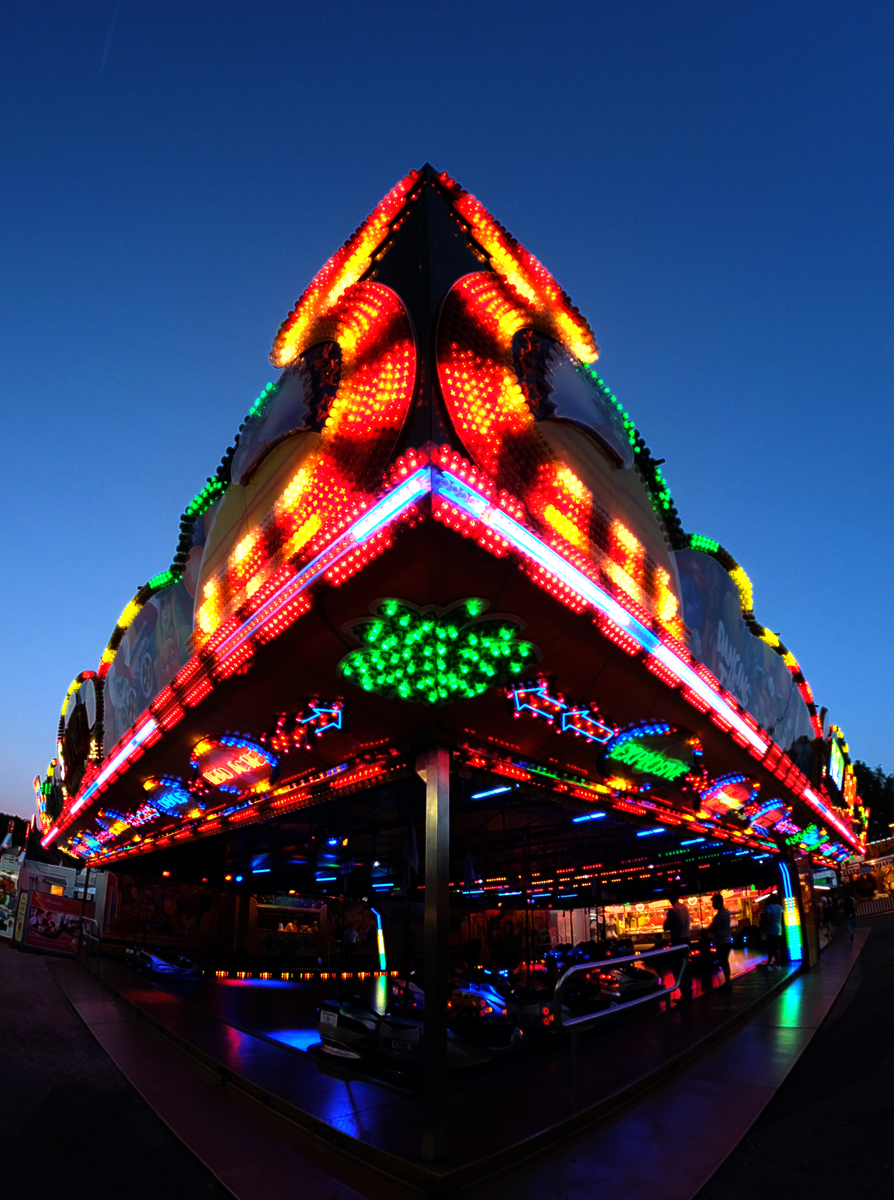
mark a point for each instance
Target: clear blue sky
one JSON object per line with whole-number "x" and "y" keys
{"x": 712, "y": 183}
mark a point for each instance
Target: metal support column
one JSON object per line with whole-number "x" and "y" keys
{"x": 83, "y": 909}
{"x": 434, "y": 767}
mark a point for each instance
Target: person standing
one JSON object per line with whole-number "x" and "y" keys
{"x": 676, "y": 925}
{"x": 721, "y": 934}
{"x": 771, "y": 925}
{"x": 350, "y": 938}
{"x": 850, "y": 914}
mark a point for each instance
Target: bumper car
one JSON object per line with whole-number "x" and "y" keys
{"x": 476, "y": 999}
{"x": 400, "y": 1037}
{"x": 347, "y": 1028}
{"x": 702, "y": 959}
{"x": 627, "y": 982}
{"x": 583, "y": 994}
{"x": 478, "y": 1014}
{"x": 531, "y": 1007}
{"x": 165, "y": 967}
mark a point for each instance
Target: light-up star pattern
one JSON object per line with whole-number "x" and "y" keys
{"x": 431, "y": 657}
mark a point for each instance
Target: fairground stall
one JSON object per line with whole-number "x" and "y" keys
{"x": 436, "y": 679}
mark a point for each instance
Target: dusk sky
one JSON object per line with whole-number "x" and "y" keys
{"x": 711, "y": 182}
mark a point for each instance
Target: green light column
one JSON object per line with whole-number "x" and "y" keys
{"x": 434, "y": 767}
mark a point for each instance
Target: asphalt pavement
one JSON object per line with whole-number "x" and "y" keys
{"x": 70, "y": 1123}
{"x": 828, "y": 1129}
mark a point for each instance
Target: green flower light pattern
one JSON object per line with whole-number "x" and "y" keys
{"x": 434, "y": 655}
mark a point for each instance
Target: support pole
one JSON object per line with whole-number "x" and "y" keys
{"x": 434, "y": 767}
{"x": 83, "y": 910}
{"x": 575, "y": 1066}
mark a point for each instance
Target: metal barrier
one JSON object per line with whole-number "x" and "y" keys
{"x": 91, "y": 942}
{"x": 576, "y": 1025}
{"x": 879, "y": 904}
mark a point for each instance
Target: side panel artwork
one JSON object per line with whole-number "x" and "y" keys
{"x": 746, "y": 666}
{"x": 154, "y": 648}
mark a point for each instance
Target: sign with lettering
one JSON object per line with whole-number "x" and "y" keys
{"x": 234, "y": 764}
{"x": 650, "y": 754}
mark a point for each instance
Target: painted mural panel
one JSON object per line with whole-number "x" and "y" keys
{"x": 746, "y": 666}
{"x": 156, "y": 645}
{"x": 153, "y": 650}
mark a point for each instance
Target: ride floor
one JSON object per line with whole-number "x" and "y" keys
{"x": 286, "y": 1010}
{"x": 250, "y": 1029}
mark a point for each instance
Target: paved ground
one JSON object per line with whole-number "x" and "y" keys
{"x": 828, "y": 1130}
{"x": 70, "y": 1123}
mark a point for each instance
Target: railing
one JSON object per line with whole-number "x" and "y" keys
{"x": 576, "y": 1025}
{"x": 91, "y": 942}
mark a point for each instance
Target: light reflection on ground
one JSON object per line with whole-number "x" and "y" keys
{"x": 298, "y": 1039}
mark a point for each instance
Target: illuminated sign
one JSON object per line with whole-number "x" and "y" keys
{"x": 651, "y": 753}
{"x": 168, "y": 796}
{"x": 234, "y": 764}
{"x": 649, "y": 762}
{"x": 836, "y": 763}
{"x": 581, "y": 719}
{"x": 764, "y": 815}
{"x": 850, "y": 787}
{"x": 727, "y": 794}
{"x": 41, "y": 791}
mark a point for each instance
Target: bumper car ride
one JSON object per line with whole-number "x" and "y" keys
{"x": 347, "y": 1028}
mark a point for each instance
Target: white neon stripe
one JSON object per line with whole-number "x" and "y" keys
{"x": 109, "y": 769}
{"x": 412, "y": 489}
{"x": 815, "y": 802}
{"x": 472, "y": 502}
{"x": 418, "y": 484}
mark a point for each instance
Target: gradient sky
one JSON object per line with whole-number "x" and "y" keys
{"x": 711, "y": 182}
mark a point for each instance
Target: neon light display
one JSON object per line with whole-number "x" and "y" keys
{"x": 727, "y": 794}
{"x": 649, "y": 762}
{"x": 340, "y": 273}
{"x": 456, "y": 496}
{"x": 791, "y": 915}
{"x": 42, "y": 790}
{"x": 836, "y": 764}
{"x": 117, "y": 761}
{"x": 166, "y": 795}
{"x": 337, "y": 481}
{"x": 311, "y": 722}
{"x": 521, "y": 494}
{"x": 652, "y": 752}
{"x": 536, "y": 699}
{"x": 435, "y": 655}
{"x": 234, "y": 764}
{"x": 621, "y": 625}
{"x": 489, "y": 410}
{"x": 380, "y": 940}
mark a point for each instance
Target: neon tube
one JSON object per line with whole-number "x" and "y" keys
{"x": 149, "y": 727}
{"x": 825, "y": 812}
{"x": 460, "y": 494}
{"x": 403, "y": 497}
{"x": 791, "y": 915}
{"x": 380, "y": 940}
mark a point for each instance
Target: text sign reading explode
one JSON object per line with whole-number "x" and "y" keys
{"x": 654, "y": 753}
